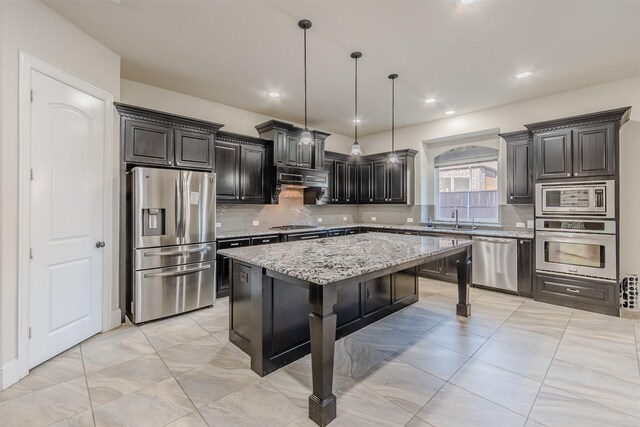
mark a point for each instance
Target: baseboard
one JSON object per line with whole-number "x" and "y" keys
{"x": 10, "y": 373}
{"x": 116, "y": 317}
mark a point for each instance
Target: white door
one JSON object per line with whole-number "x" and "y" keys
{"x": 67, "y": 189}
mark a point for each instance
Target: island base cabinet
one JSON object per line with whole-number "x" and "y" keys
{"x": 269, "y": 316}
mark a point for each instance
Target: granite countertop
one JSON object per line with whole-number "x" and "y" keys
{"x": 330, "y": 260}
{"x": 491, "y": 232}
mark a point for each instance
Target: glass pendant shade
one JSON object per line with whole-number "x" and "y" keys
{"x": 393, "y": 157}
{"x": 305, "y": 138}
{"x": 355, "y": 149}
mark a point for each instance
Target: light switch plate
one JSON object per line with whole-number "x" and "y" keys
{"x": 373, "y": 218}
{"x": 520, "y": 224}
{"x": 256, "y": 222}
{"x": 530, "y": 223}
{"x": 409, "y": 219}
{"x": 344, "y": 218}
{"x": 218, "y": 224}
{"x": 319, "y": 219}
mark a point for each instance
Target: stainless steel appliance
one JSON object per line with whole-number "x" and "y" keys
{"x": 173, "y": 233}
{"x": 577, "y": 247}
{"x": 495, "y": 263}
{"x": 585, "y": 198}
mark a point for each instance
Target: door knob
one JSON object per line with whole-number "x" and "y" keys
{"x": 100, "y": 244}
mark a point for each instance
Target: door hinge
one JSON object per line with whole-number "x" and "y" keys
{"x": 32, "y": 174}
{"x": 29, "y": 332}
{"x": 30, "y": 253}
{"x": 31, "y": 95}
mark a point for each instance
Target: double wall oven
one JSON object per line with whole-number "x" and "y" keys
{"x": 576, "y": 230}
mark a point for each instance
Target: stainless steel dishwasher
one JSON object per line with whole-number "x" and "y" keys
{"x": 495, "y": 263}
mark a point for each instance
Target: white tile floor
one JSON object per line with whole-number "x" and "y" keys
{"x": 515, "y": 362}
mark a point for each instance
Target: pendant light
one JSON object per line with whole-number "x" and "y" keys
{"x": 305, "y": 136}
{"x": 355, "y": 148}
{"x": 393, "y": 157}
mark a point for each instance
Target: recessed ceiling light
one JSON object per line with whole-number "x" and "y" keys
{"x": 450, "y": 112}
{"x": 273, "y": 94}
{"x": 430, "y": 100}
{"x": 524, "y": 75}
{"x": 357, "y": 120}
{"x": 466, "y": 2}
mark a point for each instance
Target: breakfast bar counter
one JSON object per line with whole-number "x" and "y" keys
{"x": 289, "y": 299}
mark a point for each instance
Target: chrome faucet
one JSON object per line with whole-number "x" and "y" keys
{"x": 454, "y": 214}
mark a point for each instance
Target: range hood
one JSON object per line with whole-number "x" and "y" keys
{"x": 314, "y": 182}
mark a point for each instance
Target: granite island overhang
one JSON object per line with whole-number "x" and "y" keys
{"x": 289, "y": 299}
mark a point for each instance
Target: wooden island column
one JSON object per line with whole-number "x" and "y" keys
{"x": 322, "y": 325}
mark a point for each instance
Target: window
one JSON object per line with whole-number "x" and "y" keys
{"x": 467, "y": 180}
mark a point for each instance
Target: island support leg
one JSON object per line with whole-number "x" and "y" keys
{"x": 322, "y": 324}
{"x": 464, "y": 267}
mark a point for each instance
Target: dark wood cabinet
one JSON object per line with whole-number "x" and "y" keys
{"x": 155, "y": 138}
{"x": 389, "y": 182}
{"x": 240, "y": 169}
{"x": 365, "y": 182}
{"x": 194, "y": 150}
{"x": 252, "y": 174}
{"x": 431, "y": 269}
{"x": 286, "y": 148}
{"x": 576, "y": 147}
{"x": 445, "y": 269}
{"x": 525, "y": 267}
{"x": 519, "y": 167}
{"x": 148, "y": 143}
{"x": 343, "y": 179}
{"x": 223, "y": 265}
{"x": 577, "y": 293}
{"x": 594, "y": 150}
{"x": 554, "y": 154}
{"x": 227, "y": 166}
{"x": 305, "y": 236}
{"x": 377, "y": 294}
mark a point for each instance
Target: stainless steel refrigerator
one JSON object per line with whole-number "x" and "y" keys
{"x": 171, "y": 221}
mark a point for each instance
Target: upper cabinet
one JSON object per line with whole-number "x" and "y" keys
{"x": 519, "y": 167}
{"x": 370, "y": 179}
{"x": 154, "y": 138}
{"x": 240, "y": 168}
{"x": 576, "y": 147}
{"x": 286, "y": 148}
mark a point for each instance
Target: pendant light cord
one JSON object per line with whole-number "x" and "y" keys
{"x": 356, "y": 118}
{"x": 305, "y": 79}
{"x": 393, "y": 114}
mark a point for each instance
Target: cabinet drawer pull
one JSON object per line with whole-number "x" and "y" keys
{"x": 266, "y": 240}
{"x": 234, "y": 244}
{"x": 573, "y": 291}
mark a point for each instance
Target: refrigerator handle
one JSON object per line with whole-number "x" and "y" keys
{"x": 185, "y": 204}
{"x": 178, "y": 206}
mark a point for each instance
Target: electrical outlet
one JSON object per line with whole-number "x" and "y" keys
{"x": 218, "y": 224}
{"x": 530, "y": 223}
{"x": 520, "y": 224}
{"x": 256, "y": 222}
{"x": 319, "y": 219}
{"x": 344, "y": 218}
{"x": 373, "y": 218}
{"x": 409, "y": 219}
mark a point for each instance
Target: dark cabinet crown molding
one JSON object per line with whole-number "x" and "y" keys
{"x": 620, "y": 115}
{"x": 519, "y": 135}
{"x": 149, "y": 115}
{"x": 405, "y": 152}
{"x": 287, "y": 127}
{"x": 241, "y": 139}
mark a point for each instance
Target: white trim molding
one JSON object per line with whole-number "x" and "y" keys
{"x": 27, "y": 64}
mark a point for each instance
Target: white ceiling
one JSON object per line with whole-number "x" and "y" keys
{"x": 234, "y": 51}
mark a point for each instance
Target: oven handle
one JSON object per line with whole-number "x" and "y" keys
{"x": 580, "y": 236}
{"x": 177, "y": 273}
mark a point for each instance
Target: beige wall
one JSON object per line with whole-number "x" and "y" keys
{"x": 38, "y": 31}
{"x": 512, "y": 117}
{"x": 234, "y": 119}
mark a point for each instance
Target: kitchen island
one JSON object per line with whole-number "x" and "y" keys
{"x": 293, "y": 298}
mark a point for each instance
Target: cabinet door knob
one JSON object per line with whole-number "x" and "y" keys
{"x": 576, "y": 174}
{"x": 568, "y": 174}
{"x": 169, "y": 163}
{"x": 511, "y": 197}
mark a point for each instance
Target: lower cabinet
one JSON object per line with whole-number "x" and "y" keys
{"x": 583, "y": 294}
{"x": 525, "y": 267}
{"x": 377, "y": 294}
{"x": 223, "y": 279}
{"x": 305, "y": 236}
{"x": 445, "y": 268}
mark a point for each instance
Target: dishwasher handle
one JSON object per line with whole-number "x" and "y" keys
{"x": 494, "y": 240}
